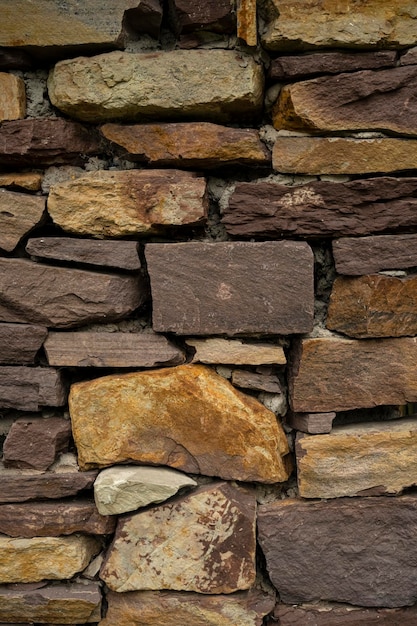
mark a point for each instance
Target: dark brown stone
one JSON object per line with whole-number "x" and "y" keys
{"x": 409, "y": 58}
{"x": 19, "y": 214}
{"x": 312, "y": 423}
{"x": 355, "y": 550}
{"x": 19, "y": 343}
{"x": 234, "y": 288}
{"x": 35, "y": 443}
{"x": 366, "y": 255}
{"x": 322, "y": 209}
{"x": 214, "y": 15}
{"x": 28, "y": 388}
{"x": 341, "y": 616}
{"x": 146, "y": 18}
{"x": 14, "y": 59}
{"x": 252, "y": 380}
{"x": 61, "y": 297}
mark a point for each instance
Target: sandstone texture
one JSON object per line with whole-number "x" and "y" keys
{"x": 348, "y": 550}
{"x": 23, "y": 180}
{"x": 236, "y": 352}
{"x": 35, "y": 443}
{"x": 365, "y": 255}
{"x": 157, "y": 85}
{"x": 131, "y": 202}
{"x": 333, "y": 615}
{"x": 29, "y": 388}
{"x": 247, "y": 22}
{"x": 312, "y": 423}
{"x": 12, "y": 97}
{"x": 252, "y": 380}
{"x": 241, "y": 288}
{"x": 212, "y": 15}
{"x": 19, "y": 214}
{"x": 19, "y": 343}
{"x": 202, "y": 542}
{"x": 186, "y": 417}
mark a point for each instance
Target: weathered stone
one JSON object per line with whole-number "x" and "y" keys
{"x": 81, "y": 87}
{"x": 203, "y": 542}
{"x": 146, "y": 18}
{"x": 19, "y": 214}
{"x": 240, "y": 288}
{"x": 24, "y": 180}
{"x": 322, "y": 155}
{"x": 169, "y": 608}
{"x": 60, "y": 603}
{"x": 62, "y": 298}
{"x": 213, "y": 15}
{"x": 236, "y": 352}
{"x": 28, "y": 388}
{"x": 194, "y": 144}
{"x": 246, "y": 22}
{"x": 185, "y": 417}
{"x": 410, "y": 57}
{"x": 322, "y": 209}
{"x": 12, "y": 97}
{"x": 35, "y": 443}
{"x": 119, "y": 254}
{"x": 131, "y": 202}
{"x": 312, "y": 423}
{"x": 360, "y": 459}
{"x": 338, "y": 24}
{"x": 47, "y": 141}
{"x": 335, "y": 374}
{"x": 367, "y": 100}
{"x": 122, "y": 489}
{"x": 53, "y": 558}
{"x": 334, "y": 615}
{"x": 94, "y": 349}
{"x": 347, "y": 550}
{"x": 252, "y": 380}
{"x": 19, "y": 343}
{"x": 51, "y": 519}
{"x": 366, "y": 255}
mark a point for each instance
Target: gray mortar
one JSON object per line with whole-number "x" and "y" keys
{"x": 37, "y": 101}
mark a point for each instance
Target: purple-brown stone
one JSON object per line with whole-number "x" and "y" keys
{"x": 366, "y": 255}
{"x": 19, "y": 343}
{"x": 29, "y": 388}
{"x": 335, "y": 615}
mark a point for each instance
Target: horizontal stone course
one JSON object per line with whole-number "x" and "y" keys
{"x": 365, "y": 255}
{"x": 334, "y": 615}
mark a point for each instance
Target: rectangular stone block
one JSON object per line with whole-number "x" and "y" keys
{"x": 334, "y": 615}
{"x": 19, "y": 343}
{"x": 12, "y": 97}
{"x": 252, "y": 380}
{"x": 312, "y": 423}
{"x": 235, "y": 288}
{"x": 19, "y": 214}
{"x": 236, "y": 352}
{"x": 32, "y": 181}
{"x": 366, "y": 255}
{"x": 36, "y": 442}
{"x": 29, "y": 388}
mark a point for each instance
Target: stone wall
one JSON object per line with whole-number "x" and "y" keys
{"x": 208, "y": 312}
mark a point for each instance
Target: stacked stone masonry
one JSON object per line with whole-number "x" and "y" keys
{"x": 208, "y": 313}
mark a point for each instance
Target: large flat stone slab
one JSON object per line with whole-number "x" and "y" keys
{"x": 12, "y": 97}
{"x": 334, "y": 615}
{"x": 236, "y": 352}
{"x": 19, "y": 343}
{"x": 29, "y": 388}
{"x": 366, "y": 255}
{"x": 187, "y": 417}
{"x": 235, "y": 288}
{"x": 19, "y": 214}
{"x": 34, "y": 443}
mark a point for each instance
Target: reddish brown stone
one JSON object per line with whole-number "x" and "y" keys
{"x": 19, "y": 343}
{"x": 252, "y": 380}
{"x": 366, "y": 255}
{"x": 213, "y": 15}
{"x": 28, "y": 388}
{"x": 19, "y": 214}
{"x": 334, "y": 615}
{"x": 146, "y": 17}
{"x": 35, "y": 443}
{"x": 312, "y": 423}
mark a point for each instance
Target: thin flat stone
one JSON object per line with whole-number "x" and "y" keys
{"x": 312, "y": 423}
{"x": 34, "y": 443}
{"x": 334, "y": 615}
{"x": 20, "y": 343}
{"x": 252, "y": 380}
{"x": 29, "y": 388}
{"x": 12, "y": 97}
{"x": 19, "y": 214}
{"x": 23, "y": 180}
{"x": 236, "y": 352}
{"x": 366, "y": 255}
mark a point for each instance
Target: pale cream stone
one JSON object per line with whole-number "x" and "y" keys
{"x": 236, "y": 352}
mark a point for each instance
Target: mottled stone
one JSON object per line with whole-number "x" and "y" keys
{"x": 203, "y": 542}
{"x": 365, "y": 255}
{"x": 235, "y": 288}
{"x": 127, "y": 488}
{"x": 12, "y": 97}
{"x": 213, "y": 15}
{"x": 246, "y": 22}
{"x": 348, "y": 550}
{"x": 19, "y": 214}
{"x": 29, "y": 388}
{"x": 62, "y": 298}
{"x": 170, "y": 86}
{"x": 23, "y": 180}
{"x": 19, "y": 343}
{"x": 253, "y": 380}
{"x": 193, "y": 144}
{"x": 34, "y": 443}
{"x": 335, "y": 615}
{"x": 236, "y": 352}
{"x": 131, "y": 202}
{"x": 312, "y": 423}
{"x": 187, "y": 417}
{"x": 37, "y": 558}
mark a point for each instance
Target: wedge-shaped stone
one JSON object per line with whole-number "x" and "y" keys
{"x": 19, "y": 214}
{"x": 185, "y": 417}
{"x": 12, "y": 97}
{"x": 122, "y": 489}
{"x": 29, "y": 388}
{"x": 235, "y": 288}
{"x": 19, "y": 343}
{"x": 198, "y": 84}
{"x": 217, "y": 16}
{"x": 131, "y": 202}
{"x": 236, "y": 352}
{"x": 38, "y": 558}
{"x": 348, "y": 550}
{"x": 373, "y": 306}
{"x": 196, "y": 144}
{"x": 252, "y": 380}
{"x": 365, "y": 255}
{"x": 60, "y": 603}
{"x": 61, "y": 297}
{"x": 335, "y": 374}
{"x": 335, "y": 615}
{"x": 202, "y": 542}
{"x": 35, "y": 442}
{"x": 31, "y": 181}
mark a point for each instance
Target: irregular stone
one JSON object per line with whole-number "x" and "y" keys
{"x": 410, "y": 57}
{"x": 368, "y": 543}
{"x": 81, "y": 87}
{"x": 246, "y": 22}
{"x": 45, "y": 141}
{"x": 51, "y": 519}
{"x": 336, "y": 374}
{"x": 118, "y": 254}
{"x": 203, "y": 542}
{"x": 62, "y": 297}
{"x": 322, "y": 209}
{"x": 60, "y": 603}
{"x": 35, "y": 443}
{"x": 313, "y": 423}
{"x": 182, "y": 405}
{"x": 122, "y": 489}
{"x": 193, "y": 144}
{"x": 170, "y": 608}
{"x": 322, "y": 155}
{"x": 12, "y": 97}
{"x": 213, "y": 15}
{"x": 334, "y": 615}
{"x": 236, "y": 352}
{"x": 53, "y": 558}
{"x": 28, "y": 388}
{"x": 366, "y": 255}
{"x": 367, "y": 100}
{"x": 146, "y": 17}
{"x": 240, "y": 288}
{"x": 252, "y": 380}
{"x": 93, "y": 349}
{"x": 25, "y": 180}
{"x": 19, "y": 214}
{"x": 19, "y": 343}
{"x": 131, "y": 202}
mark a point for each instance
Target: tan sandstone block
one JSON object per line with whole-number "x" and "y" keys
{"x": 25, "y": 180}
{"x": 12, "y": 97}
{"x": 236, "y": 352}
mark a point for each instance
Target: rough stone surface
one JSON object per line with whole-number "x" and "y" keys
{"x": 19, "y": 343}
{"x": 31, "y": 181}
{"x": 365, "y": 255}
{"x": 185, "y": 417}
{"x": 157, "y": 85}
{"x": 312, "y": 423}
{"x": 236, "y": 352}
{"x": 335, "y": 374}
{"x": 409, "y": 57}
{"x": 241, "y": 288}
{"x": 131, "y": 202}
{"x": 147, "y": 17}
{"x": 202, "y": 542}
{"x": 333, "y": 615}
{"x": 213, "y": 15}
{"x": 247, "y": 22}
{"x": 28, "y": 388}
{"x": 196, "y": 144}
{"x": 122, "y": 489}
{"x": 252, "y": 380}
{"x": 349, "y": 550}
{"x": 12, "y": 97}
{"x": 322, "y": 209}
{"x": 61, "y": 297}
{"x": 19, "y": 214}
